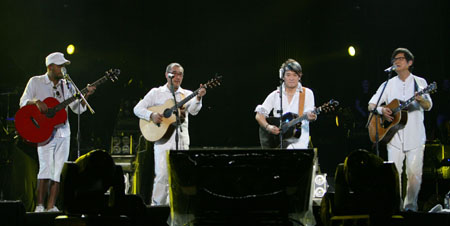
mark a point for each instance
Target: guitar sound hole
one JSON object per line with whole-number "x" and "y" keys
{"x": 34, "y": 122}
{"x": 386, "y": 124}
{"x": 167, "y": 113}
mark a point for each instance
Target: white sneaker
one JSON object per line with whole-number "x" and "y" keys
{"x": 54, "y": 209}
{"x": 39, "y": 209}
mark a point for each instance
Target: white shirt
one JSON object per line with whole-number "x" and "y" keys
{"x": 158, "y": 96}
{"x": 413, "y": 134}
{"x": 272, "y": 102}
{"x": 40, "y": 87}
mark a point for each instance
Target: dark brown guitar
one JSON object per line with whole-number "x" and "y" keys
{"x": 291, "y": 126}
{"x": 386, "y": 129}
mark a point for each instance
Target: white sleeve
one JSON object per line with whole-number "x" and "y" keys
{"x": 267, "y": 105}
{"x": 375, "y": 97}
{"x": 194, "y": 106}
{"x": 422, "y": 84}
{"x": 28, "y": 93}
{"x": 140, "y": 110}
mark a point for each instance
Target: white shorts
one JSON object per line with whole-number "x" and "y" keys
{"x": 52, "y": 157}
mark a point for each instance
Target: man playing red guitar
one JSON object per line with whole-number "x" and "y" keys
{"x": 55, "y": 151}
{"x": 407, "y": 143}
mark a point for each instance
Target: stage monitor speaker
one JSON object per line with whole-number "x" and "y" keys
{"x": 240, "y": 186}
{"x": 365, "y": 184}
{"x": 12, "y": 213}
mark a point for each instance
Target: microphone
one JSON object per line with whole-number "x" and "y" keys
{"x": 64, "y": 71}
{"x": 170, "y": 75}
{"x": 281, "y": 72}
{"x": 391, "y": 68}
{"x": 65, "y": 75}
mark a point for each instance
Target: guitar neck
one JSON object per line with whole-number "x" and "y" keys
{"x": 185, "y": 100}
{"x": 303, "y": 117}
{"x": 210, "y": 84}
{"x": 83, "y": 91}
{"x": 408, "y": 102}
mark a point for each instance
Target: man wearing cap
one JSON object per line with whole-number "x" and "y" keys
{"x": 158, "y": 96}
{"x": 290, "y": 73}
{"x": 54, "y": 152}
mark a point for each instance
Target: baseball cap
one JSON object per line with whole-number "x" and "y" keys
{"x": 56, "y": 58}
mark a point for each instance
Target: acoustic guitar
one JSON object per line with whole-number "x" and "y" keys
{"x": 36, "y": 127}
{"x": 156, "y": 131}
{"x": 386, "y": 129}
{"x": 291, "y": 126}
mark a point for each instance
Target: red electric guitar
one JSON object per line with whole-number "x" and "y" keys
{"x": 36, "y": 127}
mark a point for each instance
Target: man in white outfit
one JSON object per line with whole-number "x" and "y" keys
{"x": 408, "y": 143}
{"x": 158, "y": 96}
{"x": 292, "y": 92}
{"x": 54, "y": 152}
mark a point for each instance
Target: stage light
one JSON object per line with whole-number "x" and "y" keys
{"x": 351, "y": 51}
{"x": 70, "y": 49}
{"x": 320, "y": 186}
{"x": 337, "y": 121}
{"x": 320, "y": 179}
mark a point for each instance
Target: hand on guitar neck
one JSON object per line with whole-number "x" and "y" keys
{"x": 311, "y": 116}
{"x": 201, "y": 92}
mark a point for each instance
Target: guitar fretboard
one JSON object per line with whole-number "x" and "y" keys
{"x": 301, "y": 118}
{"x": 405, "y": 104}
{"x": 210, "y": 84}
{"x": 83, "y": 91}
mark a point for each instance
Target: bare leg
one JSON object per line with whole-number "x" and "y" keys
{"x": 42, "y": 190}
{"x": 54, "y": 190}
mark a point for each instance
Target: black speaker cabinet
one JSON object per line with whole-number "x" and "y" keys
{"x": 240, "y": 186}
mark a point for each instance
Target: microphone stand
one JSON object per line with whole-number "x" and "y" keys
{"x": 79, "y": 95}
{"x": 281, "y": 111}
{"x": 175, "y": 111}
{"x": 375, "y": 112}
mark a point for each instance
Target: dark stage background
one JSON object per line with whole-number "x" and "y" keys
{"x": 244, "y": 41}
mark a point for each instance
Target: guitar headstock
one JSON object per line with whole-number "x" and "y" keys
{"x": 329, "y": 106}
{"x": 431, "y": 88}
{"x": 216, "y": 81}
{"x": 112, "y": 74}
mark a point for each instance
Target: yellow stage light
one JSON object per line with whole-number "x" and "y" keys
{"x": 351, "y": 51}
{"x": 70, "y": 49}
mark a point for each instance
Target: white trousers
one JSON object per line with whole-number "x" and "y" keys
{"x": 414, "y": 162}
{"x": 160, "y": 194}
{"x": 52, "y": 157}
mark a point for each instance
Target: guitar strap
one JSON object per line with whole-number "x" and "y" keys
{"x": 182, "y": 97}
{"x": 416, "y": 87}
{"x": 301, "y": 101}
{"x": 62, "y": 90}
